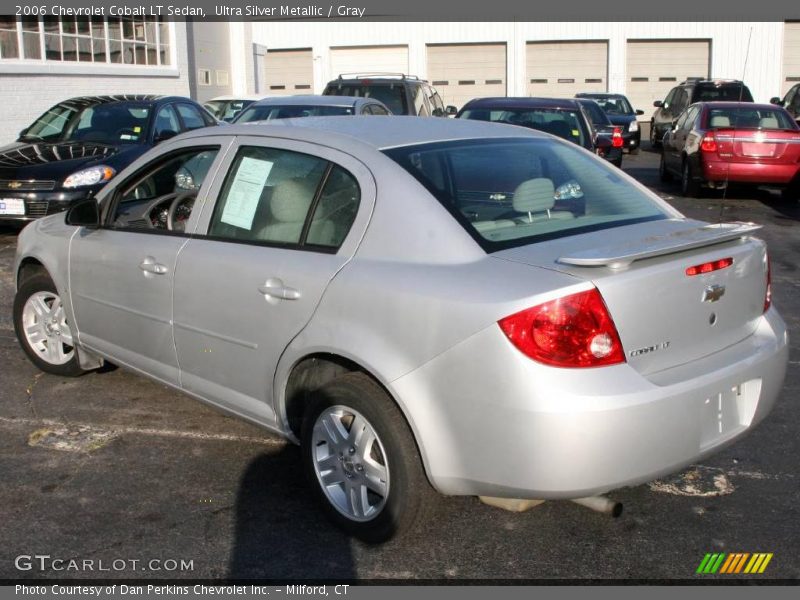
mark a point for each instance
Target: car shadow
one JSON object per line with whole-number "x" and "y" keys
{"x": 280, "y": 531}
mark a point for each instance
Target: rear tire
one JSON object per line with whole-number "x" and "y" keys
{"x": 663, "y": 174}
{"x": 42, "y": 329}
{"x": 690, "y": 188}
{"x": 655, "y": 142}
{"x": 370, "y": 482}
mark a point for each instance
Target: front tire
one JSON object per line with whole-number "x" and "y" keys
{"x": 41, "y": 326}
{"x": 655, "y": 142}
{"x": 663, "y": 174}
{"x": 361, "y": 459}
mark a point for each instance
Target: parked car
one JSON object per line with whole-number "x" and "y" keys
{"x": 608, "y": 137}
{"x": 227, "y": 108}
{"x": 77, "y": 146}
{"x": 289, "y": 107}
{"x": 482, "y": 309}
{"x": 791, "y": 101}
{"x": 694, "y": 89}
{"x": 562, "y": 117}
{"x": 716, "y": 143}
{"x": 402, "y": 94}
{"x": 621, "y": 113}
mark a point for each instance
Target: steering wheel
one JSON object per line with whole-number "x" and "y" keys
{"x": 179, "y": 198}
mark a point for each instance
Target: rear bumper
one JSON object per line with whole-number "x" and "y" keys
{"x": 718, "y": 171}
{"x": 490, "y": 421}
{"x": 41, "y": 204}
{"x": 632, "y": 140}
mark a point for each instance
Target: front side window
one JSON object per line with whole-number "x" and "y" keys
{"x": 162, "y": 195}
{"x": 513, "y": 192}
{"x": 285, "y": 198}
{"x": 191, "y": 116}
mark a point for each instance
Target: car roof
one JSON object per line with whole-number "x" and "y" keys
{"x": 312, "y": 100}
{"x": 749, "y": 105}
{"x": 239, "y": 97}
{"x": 378, "y": 132}
{"x": 599, "y": 95}
{"x": 521, "y": 102}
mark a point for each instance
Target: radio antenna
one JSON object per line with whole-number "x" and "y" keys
{"x": 735, "y": 124}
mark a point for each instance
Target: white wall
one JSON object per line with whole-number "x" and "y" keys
{"x": 27, "y": 91}
{"x": 728, "y": 45}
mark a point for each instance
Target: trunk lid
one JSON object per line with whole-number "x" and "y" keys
{"x": 665, "y": 317}
{"x": 770, "y": 146}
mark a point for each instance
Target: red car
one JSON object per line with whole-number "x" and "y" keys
{"x": 713, "y": 143}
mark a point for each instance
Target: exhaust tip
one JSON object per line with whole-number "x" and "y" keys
{"x": 616, "y": 511}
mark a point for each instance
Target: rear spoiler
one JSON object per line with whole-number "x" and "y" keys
{"x": 621, "y": 255}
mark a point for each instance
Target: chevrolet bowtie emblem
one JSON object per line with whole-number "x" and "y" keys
{"x": 713, "y": 293}
{"x": 13, "y": 185}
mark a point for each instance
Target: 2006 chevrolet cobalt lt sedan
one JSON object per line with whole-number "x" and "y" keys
{"x": 474, "y": 308}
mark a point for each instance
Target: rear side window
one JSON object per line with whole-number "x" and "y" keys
{"x": 393, "y": 95}
{"x": 512, "y": 192}
{"x": 285, "y": 198}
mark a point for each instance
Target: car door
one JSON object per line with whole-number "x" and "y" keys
{"x": 792, "y": 102}
{"x": 280, "y": 229}
{"x": 121, "y": 273}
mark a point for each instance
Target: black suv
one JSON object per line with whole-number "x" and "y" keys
{"x": 402, "y": 94}
{"x": 694, "y": 89}
{"x": 791, "y": 101}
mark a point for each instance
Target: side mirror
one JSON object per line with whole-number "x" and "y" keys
{"x": 163, "y": 136}
{"x": 658, "y": 104}
{"x": 22, "y": 133}
{"x": 639, "y": 113}
{"x": 450, "y": 110}
{"x": 776, "y": 101}
{"x": 674, "y": 124}
{"x": 85, "y": 213}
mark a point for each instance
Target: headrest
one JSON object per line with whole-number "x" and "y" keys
{"x": 719, "y": 121}
{"x": 290, "y": 200}
{"x": 768, "y": 123}
{"x": 534, "y": 195}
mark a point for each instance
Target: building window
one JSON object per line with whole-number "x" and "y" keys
{"x": 222, "y": 78}
{"x": 204, "y": 76}
{"x": 143, "y": 41}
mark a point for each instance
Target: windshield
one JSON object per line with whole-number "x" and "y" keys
{"x": 392, "y": 95}
{"x": 726, "y": 93}
{"x": 226, "y": 110}
{"x": 615, "y": 105}
{"x": 115, "y": 123}
{"x": 512, "y": 192}
{"x": 273, "y": 111}
{"x": 566, "y": 124}
{"x": 750, "y": 118}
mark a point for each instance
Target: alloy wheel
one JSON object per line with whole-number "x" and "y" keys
{"x": 45, "y": 327}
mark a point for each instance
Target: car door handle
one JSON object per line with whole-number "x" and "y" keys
{"x": 149, "y": 265}
{"x": 274, "y": 288}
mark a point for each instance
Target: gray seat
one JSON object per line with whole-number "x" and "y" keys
{"x": 718, "y": 121}
{"x": 536, "y": 198}
{"x": 289, "y": 206}
{"x": 768, "y": 123}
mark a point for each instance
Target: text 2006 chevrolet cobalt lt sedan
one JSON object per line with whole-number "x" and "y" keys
{"x": 422, "y": 304}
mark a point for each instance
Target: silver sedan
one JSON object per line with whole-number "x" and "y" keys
{"x": 422, "y": 304}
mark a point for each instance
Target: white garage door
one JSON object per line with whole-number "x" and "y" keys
{"x": 791, "y": 56}
{"x": 562, "y": 69}
{"x": 460, "y": 72}
{"x": 288, "y": 72}
{"x": 655, "y": 67}
{"x": 369, "y": 59}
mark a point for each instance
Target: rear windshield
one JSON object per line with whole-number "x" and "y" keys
{"x": 723, "y": 93}
{"x": 750, "y": 118}
{"x": 267, "y": 113}
{"x": 566, "y": 124}
{"x": 512, "y": 192}
{"x": 596, "y": 114}
{"x": 391, "y": 94}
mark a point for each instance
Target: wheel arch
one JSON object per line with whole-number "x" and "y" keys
{"x": 28, "y": 267}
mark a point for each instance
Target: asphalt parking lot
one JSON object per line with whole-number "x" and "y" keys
{"x": 111, "y": 467}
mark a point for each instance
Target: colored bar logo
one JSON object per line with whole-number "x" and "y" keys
{"x": 734, "y": 563}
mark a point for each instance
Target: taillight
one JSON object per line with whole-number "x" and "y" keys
{"x": 709, "y": 267}
{"x": 573, "y": 331}
{"x": 616, "y": 138}
{"x": 768, "y": 293}
{"x": 709, "y": 143}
